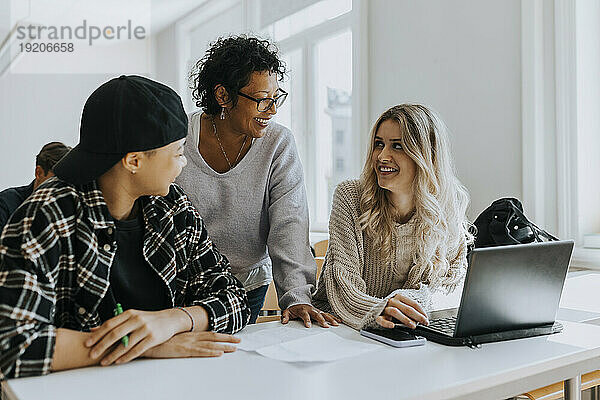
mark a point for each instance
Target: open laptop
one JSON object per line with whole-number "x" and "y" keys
{"x": 510, "y": 292}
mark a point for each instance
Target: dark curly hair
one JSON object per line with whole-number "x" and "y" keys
{"x": 229, "y": 62}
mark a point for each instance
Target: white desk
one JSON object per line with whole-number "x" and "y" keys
{"x": 496, "y": 371}
{"x": 582, "y": 293}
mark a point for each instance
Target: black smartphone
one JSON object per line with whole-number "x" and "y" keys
{"x": 394, "y": 337}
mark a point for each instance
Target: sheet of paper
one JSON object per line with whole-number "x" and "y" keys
{"x": 322, "y": 347}
{"x": 252, "y": 341}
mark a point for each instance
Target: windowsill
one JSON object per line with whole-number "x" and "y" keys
{"x": 586, "y": 258}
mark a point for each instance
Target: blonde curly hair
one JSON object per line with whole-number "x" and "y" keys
{"x": 440, "y": 199}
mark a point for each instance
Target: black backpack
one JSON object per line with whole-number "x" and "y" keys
{"x": 503, "y": 223}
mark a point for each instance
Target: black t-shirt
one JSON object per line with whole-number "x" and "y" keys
{"x": 134, "y": 283}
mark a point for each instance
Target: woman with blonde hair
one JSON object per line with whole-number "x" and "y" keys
{"x": 400, "y": 231}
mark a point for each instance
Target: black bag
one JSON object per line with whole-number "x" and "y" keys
{"x": 503, "y": 223}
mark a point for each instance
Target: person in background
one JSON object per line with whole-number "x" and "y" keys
{"x": 400, "y": 231}
{"x": 109, "y": 261}
{"x": 12, "y": 198}
{"x": 245, "y": 176}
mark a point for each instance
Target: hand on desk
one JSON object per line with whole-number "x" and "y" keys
{"x": 194, "y": 344}
{"x": 405, "y": 310}
{"x": 306, "y": 312}
{"x": 146, "y": 329}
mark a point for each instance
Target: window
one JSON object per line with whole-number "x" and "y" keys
{"x": 317, "y": 45}
{"x": 294, "y": 104}
{"x": 308, "y": 17}
{"x": 339, "y": 137}
{"x": 332, "y": 96}
{"x": 561, "y": 142}
{"x": 587, "y": 199}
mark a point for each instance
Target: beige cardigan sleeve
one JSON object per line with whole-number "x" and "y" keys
{"x": 458, "y": 268}
{"x": 343, "y": 270}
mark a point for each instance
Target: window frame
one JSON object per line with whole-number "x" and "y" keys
{"x": 552, "y": 82}
{"x": 354, "y": 21}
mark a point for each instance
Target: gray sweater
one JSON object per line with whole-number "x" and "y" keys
{"x": 257, "y": 213}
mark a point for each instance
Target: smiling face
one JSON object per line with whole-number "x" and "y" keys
{"x": 245, "y": 118}
{"x": 395, "y": 170}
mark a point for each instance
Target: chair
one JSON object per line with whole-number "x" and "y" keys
{"x": 270, "y": 310}
{"x": 555, "y": 391}
{"x": 320, "y": 250}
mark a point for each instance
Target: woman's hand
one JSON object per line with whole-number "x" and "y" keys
{"x": 403, "y": 309}
{"x": 146, "y": 329}
{"x": 306, "y": 312}
{"x": 194, "y": 344}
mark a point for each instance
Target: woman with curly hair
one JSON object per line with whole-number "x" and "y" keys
{"x": 245, "y": 177}
{"x": 400, "y": 231}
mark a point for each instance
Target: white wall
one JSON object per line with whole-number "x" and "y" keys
{"x": 229, "y": 22}
{"x": 36, "y": 109}
{"x": 460, "y": 57}
{"x": 39, "y": 108}
{"x": 226, "y": 23}
{"x": 463, "y": 58}
{"x": 164, "y": 55}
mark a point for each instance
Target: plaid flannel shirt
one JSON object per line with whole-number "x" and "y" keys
{"x": 55, "y": 257}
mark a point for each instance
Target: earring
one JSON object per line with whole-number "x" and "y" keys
{"x": 222, "y": 113}
{"x": 133, "y": 172}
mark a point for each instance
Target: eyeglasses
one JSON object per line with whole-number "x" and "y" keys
{"x": 265, "y": 104}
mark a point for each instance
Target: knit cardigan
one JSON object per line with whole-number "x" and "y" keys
{"x": 355, "y": 283}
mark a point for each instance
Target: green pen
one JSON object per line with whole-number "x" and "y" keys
{"x": 119, "y": 311}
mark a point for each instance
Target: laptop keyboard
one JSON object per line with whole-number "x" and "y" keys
{"x": 444, "y": 325}
{"x": 447, "y": 325}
